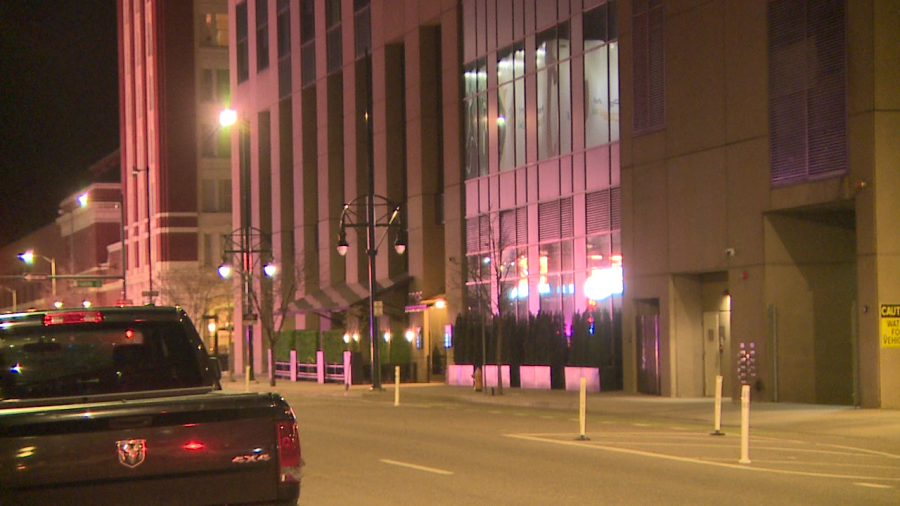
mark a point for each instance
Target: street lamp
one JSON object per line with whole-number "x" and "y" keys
{"x": 250, "y": 247}
{"x": 371, "y": 212}
{"x": 28, "y": 258}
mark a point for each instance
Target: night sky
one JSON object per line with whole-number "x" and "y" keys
{"x": 58, "y": 104}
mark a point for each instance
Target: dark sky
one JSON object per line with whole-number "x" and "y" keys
{"x": 58, "y": 104}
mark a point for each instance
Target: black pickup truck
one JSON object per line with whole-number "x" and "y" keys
{"x": 123, "y": 405}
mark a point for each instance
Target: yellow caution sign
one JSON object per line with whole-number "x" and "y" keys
{"x": 890, "y": 325}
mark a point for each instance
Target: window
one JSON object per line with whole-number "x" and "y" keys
{"x": 284, "y": 48}
{"x": 215, "y": 195}
{"x": 554, "y": 91}
{"x": 215, "y": 86}
{"x": 243, "y": 47}
{"x": 214, "y": 30}
{"x": 807, "y": 90}
{"x": 216, "y": 142}
{"x": 648, "y": 61}
{"x": 511, "y": 106}
{"x": 363, "y": 27}
{"x": 333, "y": 45}
{"x": 475, "y": 110}
{"x": 601, "y": 76}
{"x": 307, "y": 43}
{"x": 262, "y": 35}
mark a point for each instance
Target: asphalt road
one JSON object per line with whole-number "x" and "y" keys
{"x": 365, "y": 450}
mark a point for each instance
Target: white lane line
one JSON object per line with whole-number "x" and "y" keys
{"x": 693, "y": 460}
{"x": 871, "y": 485}
{"x": 417, "y": 467}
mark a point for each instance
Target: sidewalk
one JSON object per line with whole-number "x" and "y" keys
{"x": 842, "y": 421}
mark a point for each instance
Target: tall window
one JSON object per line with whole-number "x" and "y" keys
{"x": 307, "y": 42}
{"x": 262, "y": 35}
{"x": 807, "y": 89}
{"x": 243, "y": 44}
{"x": 511, "y": 106}
{"x": 601, "y": 76}
{"x": 475, "y": 105}
{"x": 362, "y": 20}
{"x": 554, "y": 91}
{"x": 648, "y": 62}
{"x": 284, "y": 48}
{"x": 333, "y": 45}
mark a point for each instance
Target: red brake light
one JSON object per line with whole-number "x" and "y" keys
{"x": 193, "y": 445}
{"x": 289, "y": 460}
{"x": 75, "y": 317}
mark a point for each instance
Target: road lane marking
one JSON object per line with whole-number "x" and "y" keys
{"x": 870, "y": 485}
{"x": 417, "y": 467}
{"x": 543, "y": 438}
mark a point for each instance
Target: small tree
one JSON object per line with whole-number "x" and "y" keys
{"x": 488, "y": 270}
{"x": 273, "y": 298}
{"x": 197, "y": 290}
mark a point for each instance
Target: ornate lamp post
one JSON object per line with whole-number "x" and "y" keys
{"x": 371, "y": 212}
{"x": 248, "y": 249}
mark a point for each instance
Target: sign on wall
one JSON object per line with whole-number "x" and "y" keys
{"x": 890, "y": 325}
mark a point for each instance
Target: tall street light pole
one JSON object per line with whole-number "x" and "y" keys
{"x": 252, "y": 250}
{"x": 371, "y": 212}
{"x": 28, "y": 258}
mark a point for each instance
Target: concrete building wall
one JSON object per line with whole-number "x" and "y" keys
{"x": 807, "y": 265}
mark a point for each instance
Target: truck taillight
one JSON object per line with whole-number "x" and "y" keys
{"x": 74, "y": 317}
{"x": 289, "y": 461}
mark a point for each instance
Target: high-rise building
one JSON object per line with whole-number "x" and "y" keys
{"x": 494, "y": 124}
{"x": 176, "y": 178}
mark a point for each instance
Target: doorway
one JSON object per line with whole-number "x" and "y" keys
{"x": 716, "y": 343}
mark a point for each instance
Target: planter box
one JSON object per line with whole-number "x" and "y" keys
{"x": 590, "y": 374}
{"x": 490, "y": 375}
{"x": 460, "y": 375}
{"x": 534, "y": 376}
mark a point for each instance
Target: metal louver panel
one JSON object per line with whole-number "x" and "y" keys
{"x": 484, "y": 231}
{"x": 522, "y": 225}
{"x": 615, "y": 208}
{"x": 597, "y": 211}
{"x": 648, "y": 63}
{"x": 548, "y": 221}
{"x": 807, "y": 87}
{"x": 472, "y": 235}
{"x": 507, "y": 227}
{"x": 567, "y": 218}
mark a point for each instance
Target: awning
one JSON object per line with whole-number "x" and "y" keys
{"x": 341, "y": 297}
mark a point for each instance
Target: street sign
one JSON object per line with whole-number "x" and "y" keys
{"x": 87, "y": 283}
{"x": 250, "y": 318}
{"x": 379, "y": 308}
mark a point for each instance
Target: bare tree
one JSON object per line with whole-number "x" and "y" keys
{"x": 272, "y": 299}
{"x": 489, "y": 271}
{"x": 197, "y": 290}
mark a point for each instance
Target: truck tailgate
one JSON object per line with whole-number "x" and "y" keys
{"x": 206, "y": 449}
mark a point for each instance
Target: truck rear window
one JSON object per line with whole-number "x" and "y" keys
{"x": 92, "y": 359}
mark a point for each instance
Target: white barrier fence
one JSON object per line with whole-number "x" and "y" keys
{"x": 320, "y": 371}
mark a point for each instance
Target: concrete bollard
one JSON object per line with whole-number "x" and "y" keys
{"x": 396, "y": 385}
{"x": 582, "y": 409}
{"x": 745, "y": 425}
{"x": 717, "y": 415}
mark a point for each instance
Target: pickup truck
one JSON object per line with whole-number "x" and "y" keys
{"x": 123, "y": 405}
